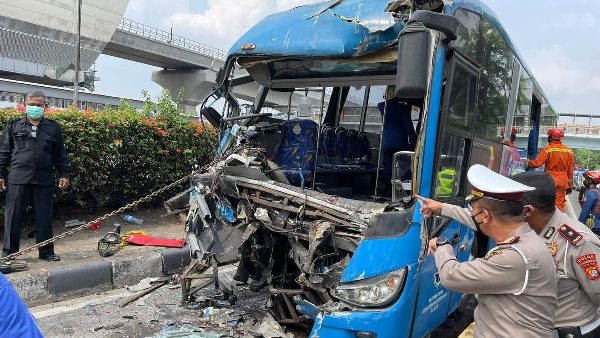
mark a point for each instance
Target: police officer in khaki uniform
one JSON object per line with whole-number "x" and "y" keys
{"x": 571, "y": 246}
{"x": 576, "y": 252}
{"x": 516, "y": 281}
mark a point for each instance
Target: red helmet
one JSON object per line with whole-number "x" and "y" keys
{"x": 556, "y": 133}
{"x": 593, "y": 176}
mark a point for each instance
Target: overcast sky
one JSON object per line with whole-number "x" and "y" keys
{"x": 560, "y": 41}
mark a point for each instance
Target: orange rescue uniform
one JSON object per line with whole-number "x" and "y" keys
{"x": 560, "y": 163}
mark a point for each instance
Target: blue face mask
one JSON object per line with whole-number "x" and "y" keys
{"x": 34, "y": 112}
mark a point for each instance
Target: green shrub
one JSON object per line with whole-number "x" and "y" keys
{"x": 119, "y": 155}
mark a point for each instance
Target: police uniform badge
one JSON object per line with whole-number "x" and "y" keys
{"x": 492, "y": 254}
{"x": 589, "y": 265}
{"x": 553, "y": 247}
{"x": 548, "y": 234}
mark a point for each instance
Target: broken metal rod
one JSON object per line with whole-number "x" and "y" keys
{"x": 141, "y": 294}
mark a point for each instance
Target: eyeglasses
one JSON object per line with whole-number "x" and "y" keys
{"x": 33, "y": 131}
{"x": 470, "y": 207}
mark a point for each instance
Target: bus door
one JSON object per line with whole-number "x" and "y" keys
{"x": 450, "y": 186}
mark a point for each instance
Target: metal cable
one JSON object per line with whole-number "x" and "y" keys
{"x": 120, "y": 210}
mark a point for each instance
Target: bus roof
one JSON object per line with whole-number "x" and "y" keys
{"x": 343, "y": 29}
{"x": 330, "y": 29}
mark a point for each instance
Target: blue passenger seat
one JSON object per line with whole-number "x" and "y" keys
{"x": 328, "y": 148}
{"x": 365, "y": 155}
{"x": 353, "y": 145}
{"x": 343, "y": 147}
{"x": 296, "y": 154}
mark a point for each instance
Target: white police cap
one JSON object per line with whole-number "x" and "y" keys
{"x": 488, "y": 183}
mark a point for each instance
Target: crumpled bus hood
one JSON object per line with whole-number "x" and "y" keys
{"x": 335, "y": 28}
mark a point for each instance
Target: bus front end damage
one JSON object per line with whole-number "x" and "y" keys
{"x": 293, "y": 242}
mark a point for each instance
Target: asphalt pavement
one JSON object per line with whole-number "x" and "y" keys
{"x": 573, "y": 198}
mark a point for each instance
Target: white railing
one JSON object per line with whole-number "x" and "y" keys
{"x": 155, "y": 34}
{"x": 568, "y": 129}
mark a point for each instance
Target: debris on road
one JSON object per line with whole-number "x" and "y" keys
{"x": 73, "y": 223}
{"x": 132, "y": 219}
{"x": 141, "y": 294}
{"x": 144, "y": 284}
{"x": 114, "y": 326}
{"x": 188, "y": 331}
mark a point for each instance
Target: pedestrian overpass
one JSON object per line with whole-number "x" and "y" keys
{"x": 186, "y": 64}
{"x": 577, "y": 135}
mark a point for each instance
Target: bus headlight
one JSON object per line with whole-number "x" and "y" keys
{"x": 372, "y": 292}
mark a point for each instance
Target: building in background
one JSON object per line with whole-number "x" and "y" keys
{"x": 38, "y": 38}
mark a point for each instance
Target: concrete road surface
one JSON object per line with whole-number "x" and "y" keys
{"x": 573, "y": 198}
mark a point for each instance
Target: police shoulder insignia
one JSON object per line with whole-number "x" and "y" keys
{"x": 586, "y": 258}
{"x": 571, "y": 235}
{"x": 549, "y": 233}
{"x": 509, "y": 240}
{"x": 589, "y": 265}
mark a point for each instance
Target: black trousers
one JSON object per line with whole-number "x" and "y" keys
{"x": 18, "y": 197}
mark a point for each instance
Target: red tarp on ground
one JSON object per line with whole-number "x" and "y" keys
{"x": 146, "y": 240}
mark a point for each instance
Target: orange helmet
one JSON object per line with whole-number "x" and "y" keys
{"x": 593, "y": 176}
{"x": 556, "y": 133}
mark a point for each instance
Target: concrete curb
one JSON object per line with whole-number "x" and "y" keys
{"x": 39, "y": 287}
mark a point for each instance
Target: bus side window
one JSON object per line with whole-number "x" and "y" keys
{"x": 455, "y": 139}
{"x": 449, "y": 175}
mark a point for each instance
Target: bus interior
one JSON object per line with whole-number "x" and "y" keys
{"x": 341, "y": 142}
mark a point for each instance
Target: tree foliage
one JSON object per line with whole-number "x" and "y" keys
{"x": 119, "y": 155}
{"x": 589, "y": 159}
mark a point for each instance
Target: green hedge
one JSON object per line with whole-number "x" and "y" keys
{"x": 119, "y": 155}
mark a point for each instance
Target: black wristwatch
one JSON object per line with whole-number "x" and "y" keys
{"x": 441, "y": 241}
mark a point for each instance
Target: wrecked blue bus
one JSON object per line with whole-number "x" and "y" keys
{"x": 357, "y": 106}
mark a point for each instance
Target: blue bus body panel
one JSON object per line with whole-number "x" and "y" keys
{"x": 431, "y": 128}
{"x": 387, "y": 323}
{"x": 433, "y": 299}
{"x": 375, "y": 257}
{"x": 327, "y": 29}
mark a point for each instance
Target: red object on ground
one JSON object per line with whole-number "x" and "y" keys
{"x": 155, "y": 241}
{"x": 95, "y": 226}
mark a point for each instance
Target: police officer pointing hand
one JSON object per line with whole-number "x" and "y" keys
{"x": 515, "y": 282}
